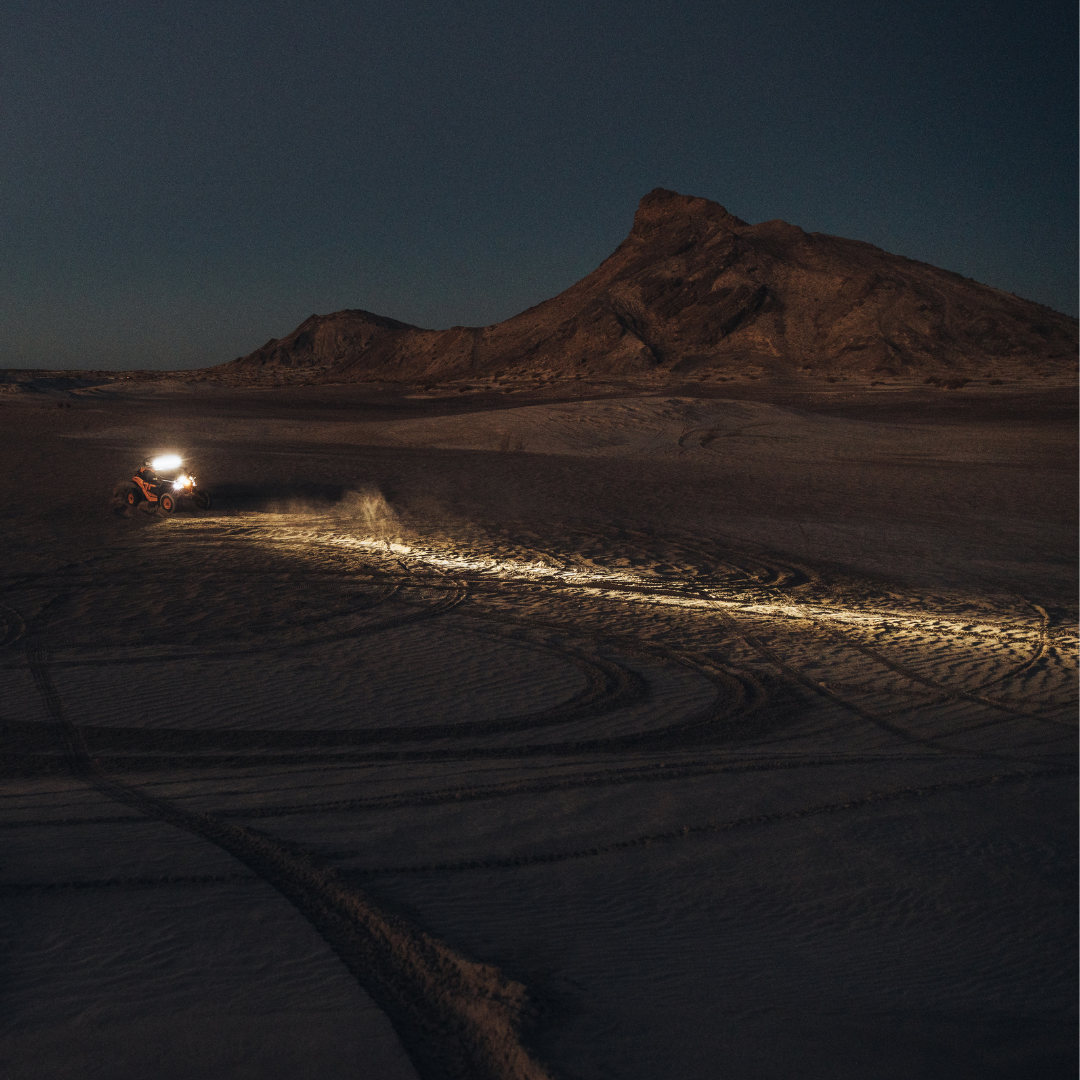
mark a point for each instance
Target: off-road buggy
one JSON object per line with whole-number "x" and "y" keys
{"x": 163, "y": 483}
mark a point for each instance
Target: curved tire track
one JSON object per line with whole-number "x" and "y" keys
{"x": 898, "y": 730}
{"x": 869, "y": 799}
{"x": 455, "y": 1017}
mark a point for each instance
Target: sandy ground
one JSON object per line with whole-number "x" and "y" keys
{"x": 646, "y": 736}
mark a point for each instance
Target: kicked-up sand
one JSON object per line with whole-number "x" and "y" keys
{"x": 647, "y": 735}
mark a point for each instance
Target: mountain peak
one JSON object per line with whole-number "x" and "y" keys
{"x": 662, "y": 208}
{"x": 696, "y": 289}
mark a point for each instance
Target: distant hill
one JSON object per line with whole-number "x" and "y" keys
{"x": 694, "y": 288}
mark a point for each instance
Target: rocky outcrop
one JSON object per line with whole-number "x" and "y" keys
{"x": 695, "y": 288}
{"x": 321, "y": 342}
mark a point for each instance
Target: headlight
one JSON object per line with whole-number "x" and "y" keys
{"x": 181, "y": 482}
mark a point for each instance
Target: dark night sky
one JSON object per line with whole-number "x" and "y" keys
{"x": 181, "y": 181}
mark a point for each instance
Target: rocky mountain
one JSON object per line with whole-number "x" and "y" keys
{"x": 694, "y": 288}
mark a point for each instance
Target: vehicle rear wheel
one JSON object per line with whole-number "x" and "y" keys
{"x": 128, "y": 494}
{"x": 167, "y": 502}
{"x": 201, "y": 499}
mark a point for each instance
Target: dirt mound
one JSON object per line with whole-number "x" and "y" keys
{"x": 695, "y": 288}
{"x": 323, "y": 341}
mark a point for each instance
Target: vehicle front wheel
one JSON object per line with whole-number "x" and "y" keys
{"x": 201, "y": 499}
{"x": 167, "y": 502}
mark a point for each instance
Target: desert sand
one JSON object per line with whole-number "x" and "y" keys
{"x": 681, "y": 732}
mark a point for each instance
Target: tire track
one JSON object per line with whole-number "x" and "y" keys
{"x": 670, "y": 549}
{"x": 1038, "y": 652}
{"x": 799, "y": 677}
{"x": 945, "y": 691}
{"x": 16, "y": 887}
{"x": 869, "y": 799}
{"x": 667, "y": 587}
{"x": 46, "y": 823}
{"x": 476, "y": 793}
{"x": 513, "y": 788}
{"x": 610, "y": 686}
{"x": 453, "y": 597}
{"x": 456, "y": 1018}
{"x": 742, "y": 692}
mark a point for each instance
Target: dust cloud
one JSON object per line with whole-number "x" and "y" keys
{"x": 366, "y": 508}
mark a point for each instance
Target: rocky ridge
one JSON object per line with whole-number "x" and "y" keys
{"x": 694, "y": 289}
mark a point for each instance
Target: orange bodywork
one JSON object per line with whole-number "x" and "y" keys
{"x": 146, "y": 489}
